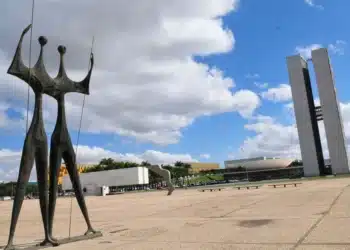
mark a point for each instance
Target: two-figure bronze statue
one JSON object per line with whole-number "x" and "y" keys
{"x": 35, "y": 146}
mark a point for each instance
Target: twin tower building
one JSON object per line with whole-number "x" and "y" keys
{"x": 307, "y": 114}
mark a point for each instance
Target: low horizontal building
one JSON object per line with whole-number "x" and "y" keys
{"x": 93, "y": 182}
{"x": 259, "y": 163}
{"x": 196, "y": 167}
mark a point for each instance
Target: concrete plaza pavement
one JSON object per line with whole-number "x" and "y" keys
{"x": 314, "y": 215}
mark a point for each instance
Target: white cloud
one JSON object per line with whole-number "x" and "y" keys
{"x": 289, "y": 106}
{"x": 205, "y": 156}
{"x": 271, "y": 139}
{"x": 305, "y": 51}
{"x": 9, "y": 164}
{"x": 313, "y": 4}
{"x": 278, "y": 140}
{"x": 261, "y": 85}
{"x": 89, "y": 154}
{"x": 263, "y": 118}
{"x": 337, "y": 48}
{"x": 281, "y": 93}
{"x": 9, "y": 160}
{"x": 146, "y": 84}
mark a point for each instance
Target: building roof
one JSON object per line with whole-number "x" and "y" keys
{"x": 260, "y": 163}
{"x": 249, "y": 159}
{"x": 204, "y": 165}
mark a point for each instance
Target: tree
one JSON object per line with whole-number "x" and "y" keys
{"x": 145, "y": 163}
{"x": 154, "y": 177}
{"x": 186, "y": 165}
{"x": 119, "y": 165}
{"x": 95, "y": 168}
{"x": 130, "y": 165}
{"x": 107, "y": 162}
{"x": 179, "y": 164}
{"x": 168, "y": 167}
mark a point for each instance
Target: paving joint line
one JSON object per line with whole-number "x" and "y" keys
{"x": 313, "y": 227}
{"x": 127, "y": 242}
{"x": 206, "y": 219}
{"x": 131, "y": 242}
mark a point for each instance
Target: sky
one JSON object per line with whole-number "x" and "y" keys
{"x": 199, "y": 80}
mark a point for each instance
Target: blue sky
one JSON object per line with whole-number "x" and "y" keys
{"x": 265, "y": 34}
{"x": 199, "y": 115}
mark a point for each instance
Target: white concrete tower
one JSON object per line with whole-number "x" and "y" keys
{"x": 332, "y": 118}
{"x": 304, "y": 108}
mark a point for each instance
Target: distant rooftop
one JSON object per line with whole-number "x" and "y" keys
{"x": 251, "y": 159}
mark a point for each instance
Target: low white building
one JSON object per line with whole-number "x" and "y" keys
{"x": 97, "y": 183}
{"x": 5, "y": 198}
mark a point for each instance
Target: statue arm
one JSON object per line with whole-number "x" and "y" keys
{"x": 84, "y": 85}
{"x": 17, "y": 67}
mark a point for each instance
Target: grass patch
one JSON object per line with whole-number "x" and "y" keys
{"x": 205, "y": 179}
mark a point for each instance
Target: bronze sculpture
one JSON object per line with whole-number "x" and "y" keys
{"x": 61, "y": 144}
{"x": 35, "y": 145}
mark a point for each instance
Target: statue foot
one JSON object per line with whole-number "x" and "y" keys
{"x": 9, "y": 246}
{"x": 49, "y": 242}
{"x": 90, "y": 231}
{"x": 53, "y": 239}
{"x": 170, "y": 190}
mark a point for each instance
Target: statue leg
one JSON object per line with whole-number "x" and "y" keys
{"x": 26, "y": 165}
{"x": 169, "y": 184}
{"x": 42, "y": 174}
{"x": 55, "y": 164}
{"x": 70, "y": 161}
